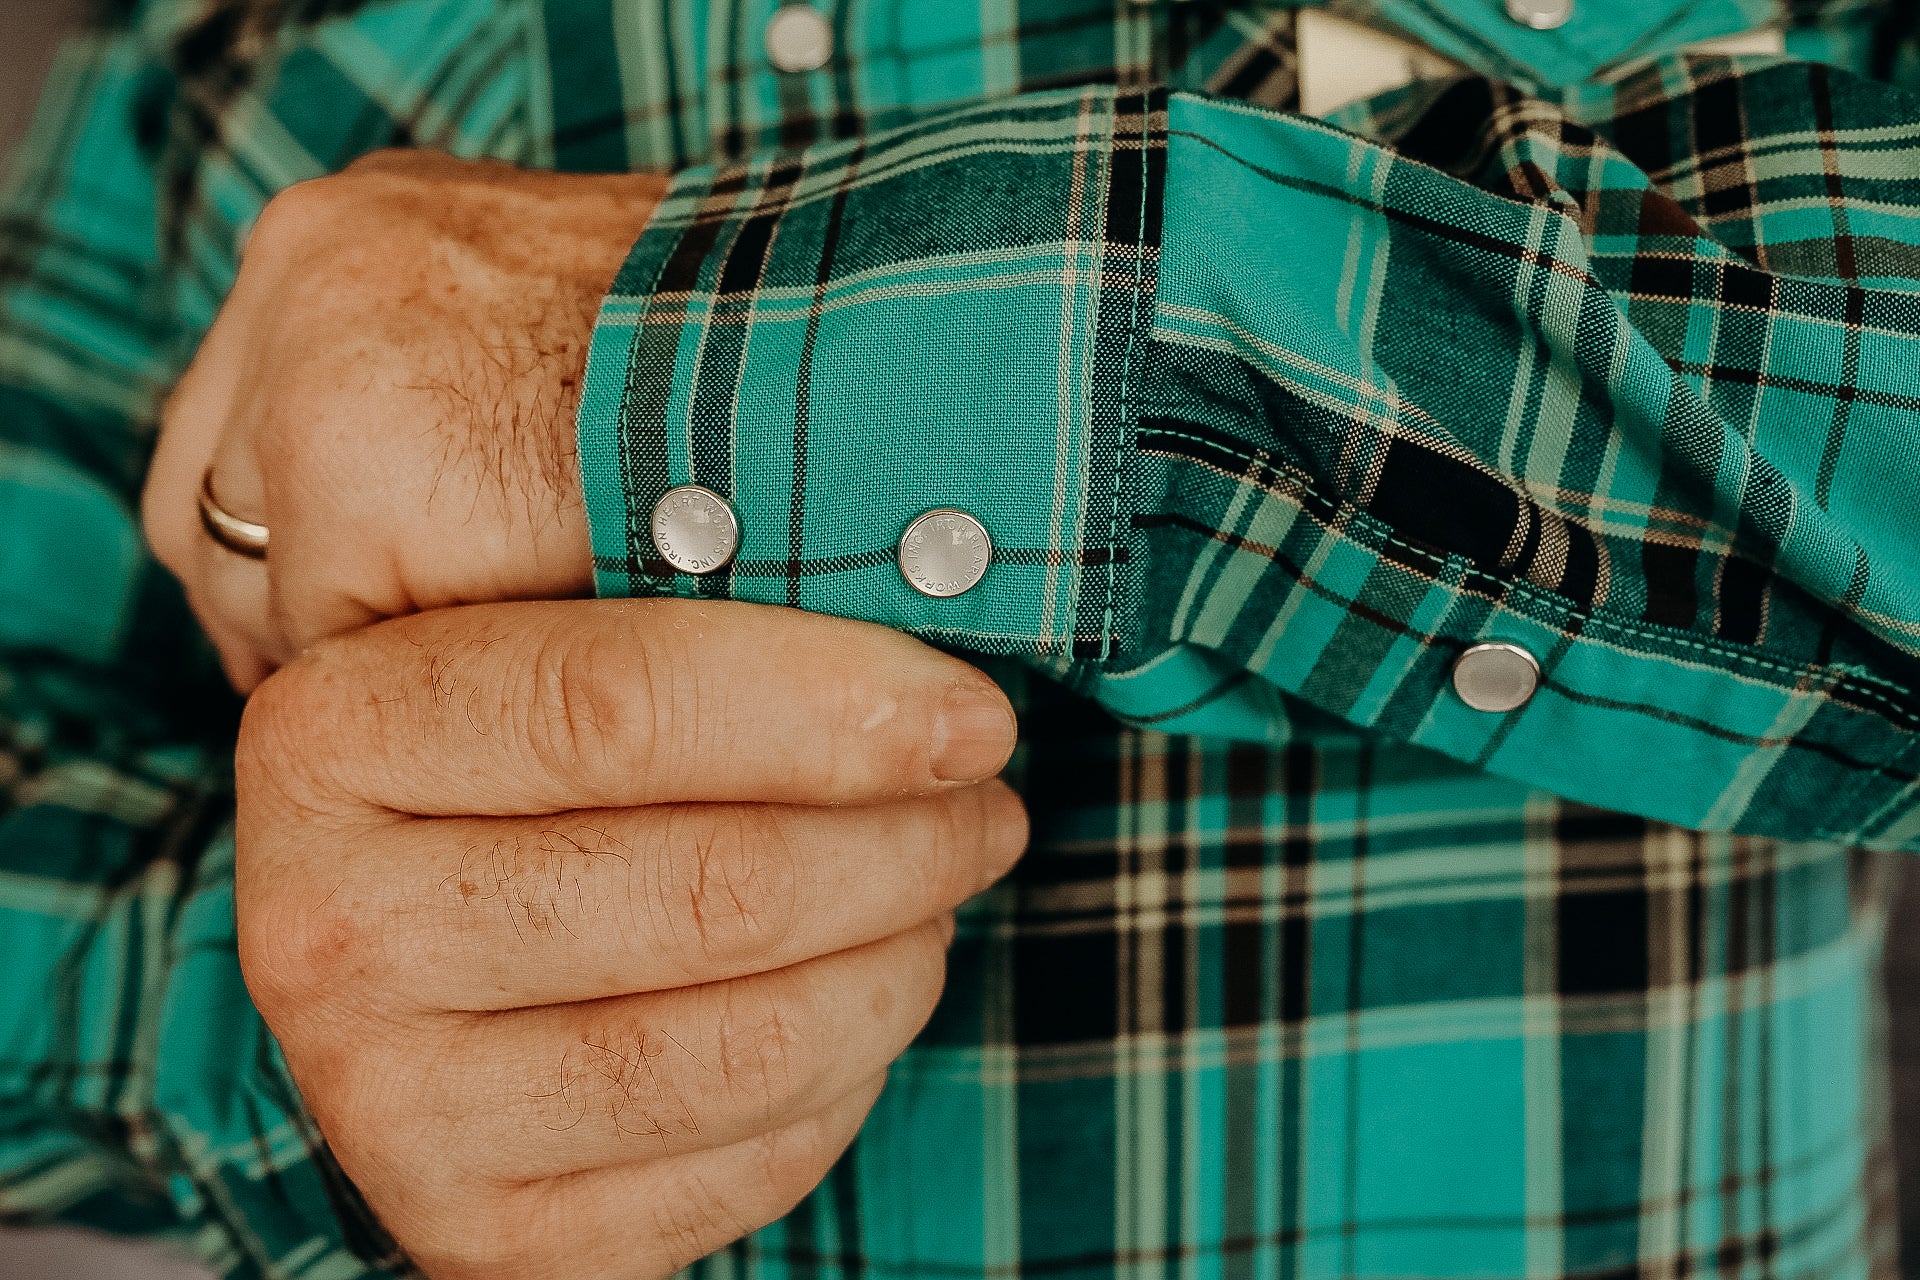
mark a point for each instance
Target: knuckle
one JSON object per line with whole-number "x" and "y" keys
{"x": 294, "y": 217}
{"x": 300, "y": 936}
{"x": 274, "y": 729}
{"x": 311, "y": 238}
{"x": 758, "y": 1043}
{"x": 290, "y": 729}
{"x": 727, "y": 887}
{"x": 591, "y": 704}
{"x": 296, "y": 952}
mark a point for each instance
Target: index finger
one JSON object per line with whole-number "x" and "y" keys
{"x": 583, "y": 704}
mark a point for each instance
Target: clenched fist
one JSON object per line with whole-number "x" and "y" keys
{"x": 390, "y": 390}
{"x": 589, "y": 928}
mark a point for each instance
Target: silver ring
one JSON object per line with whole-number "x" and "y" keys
{"x": 242, "y": 537}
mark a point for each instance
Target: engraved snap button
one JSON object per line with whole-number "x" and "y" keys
{"x": 1495, "y": 677}
{"x": 695, "y": 529}
{"x": 945, "y": 553}
{"x": 799, "y": 38}
{"x": 1541, "y": 15}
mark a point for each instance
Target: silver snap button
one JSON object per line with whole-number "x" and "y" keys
{"x": 1541, "y": 15}
{"x": 695, "y": 529}
{"x": 944, "y": 553}
{"x": 1495, "y": 677}
{"x": 799, "y": 38}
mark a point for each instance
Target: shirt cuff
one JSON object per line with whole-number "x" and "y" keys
{"x": 842, "y": 340}
{"x": 1262, "y": 480}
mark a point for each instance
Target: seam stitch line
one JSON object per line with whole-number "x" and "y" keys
{"x": 1361, "y": 519}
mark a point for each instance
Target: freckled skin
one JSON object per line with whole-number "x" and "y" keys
{"x": 587, "y": 939}
{"x": 390, "y": 388}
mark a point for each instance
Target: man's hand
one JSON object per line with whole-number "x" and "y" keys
{"x": 390, "y": 389}
{"x": 636, "y": 1007}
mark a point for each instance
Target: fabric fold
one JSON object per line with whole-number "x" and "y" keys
{"x": 1335, "y": 408}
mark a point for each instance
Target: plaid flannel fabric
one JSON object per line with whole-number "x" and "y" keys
{"x": 1254, "y": 395}
{"x": 1310, "y": 970}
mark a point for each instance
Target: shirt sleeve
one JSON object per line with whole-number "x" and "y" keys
{"x": 1270, "y": 421}
{"x": 139, "y": 1090}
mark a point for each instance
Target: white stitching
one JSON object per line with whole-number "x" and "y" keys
{"x": 1360, "y": 519}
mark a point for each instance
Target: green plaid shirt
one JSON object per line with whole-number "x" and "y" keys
{"x": 1602, "y": 350}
